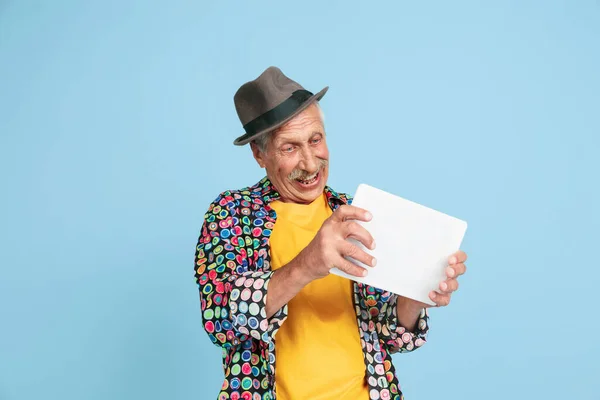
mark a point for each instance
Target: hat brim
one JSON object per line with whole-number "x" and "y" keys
{"x": 247, "y": 138}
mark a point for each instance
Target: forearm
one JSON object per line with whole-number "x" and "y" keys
{"x": 408, "y": 312}
{"x": 285, "y": 283}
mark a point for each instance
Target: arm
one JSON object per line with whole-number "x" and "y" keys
{"x": 237, "y": 303}
{"x": 403, "y": 321}
{"x": 233, "y": 299}
{"x": 285, "y": 283}
{"x": 326, "y": 250}
{"x": 407, "y": 313}
{"x": 400, "y": 332}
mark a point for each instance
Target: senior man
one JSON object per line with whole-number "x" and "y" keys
{"x": 288, "y": 328}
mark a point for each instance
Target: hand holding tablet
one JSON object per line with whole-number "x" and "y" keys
{"x": 413, "y": 243}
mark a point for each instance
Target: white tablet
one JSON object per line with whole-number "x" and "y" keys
{"x": 413, "y": 244}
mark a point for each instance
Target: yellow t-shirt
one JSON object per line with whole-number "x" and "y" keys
{"x": 318, "y": 350}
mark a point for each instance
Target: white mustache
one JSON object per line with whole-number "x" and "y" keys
{"x": 305, "y": 175}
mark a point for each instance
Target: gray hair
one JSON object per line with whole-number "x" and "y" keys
{"x": 262, "y": 141}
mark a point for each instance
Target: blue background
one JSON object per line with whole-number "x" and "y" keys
{"x": 116, "y": 123}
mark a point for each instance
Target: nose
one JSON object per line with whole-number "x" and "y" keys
{"x": 309, "y": 162}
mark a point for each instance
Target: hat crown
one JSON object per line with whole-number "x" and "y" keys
{"x": 262, "y": 94}
{"x": 270, "y": 101}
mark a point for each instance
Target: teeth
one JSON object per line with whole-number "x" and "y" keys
{"x": 309, "y": 180}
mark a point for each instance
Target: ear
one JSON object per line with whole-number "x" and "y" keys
{"x": 258, "y": 155}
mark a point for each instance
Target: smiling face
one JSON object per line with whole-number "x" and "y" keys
{"x": 296, "y": 157}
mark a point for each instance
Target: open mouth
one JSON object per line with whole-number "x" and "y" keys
{"x": 310, "y": 180}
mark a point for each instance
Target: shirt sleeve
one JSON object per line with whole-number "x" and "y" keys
{"x": 396, "y": 338}
{"x": 232, "y": 298}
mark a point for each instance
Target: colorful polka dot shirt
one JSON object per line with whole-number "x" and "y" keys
{"x": 232, "y": 270}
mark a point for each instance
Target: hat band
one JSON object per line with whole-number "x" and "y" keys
{"x": 277, "y": 114}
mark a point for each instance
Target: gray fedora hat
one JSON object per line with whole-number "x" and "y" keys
{"x": 268, "y": 102}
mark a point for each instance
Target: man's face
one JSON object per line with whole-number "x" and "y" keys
{"x": 296, "y": 158}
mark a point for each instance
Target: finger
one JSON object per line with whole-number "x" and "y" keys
{"x": 354, "y": 230}
{"x": 449, "y": 286}
{"x": 458, "y": 257}
{"x": 440, "y": 300}
{"x": 356, "y": 253}
{"x": 456, "y": 270}
{"x": 346, "y": 212}
{"x": 350, "y": 268}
